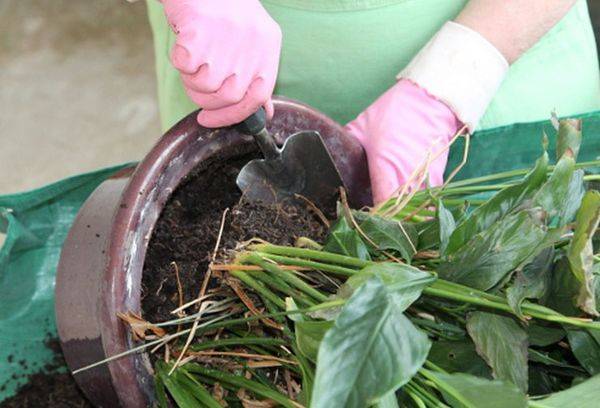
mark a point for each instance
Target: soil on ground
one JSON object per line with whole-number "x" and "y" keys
{"x": 49, "y": 388}
{"x": 185, "y": 235}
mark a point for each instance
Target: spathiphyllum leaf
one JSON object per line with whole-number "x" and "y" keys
{"x": 371, "y": 350}
{"x": 495, "y": 252}
{"x": 498, "y": 206}
{"x": 387, "y": 234}
{"x": 581, "y": 251}
{"x": 584, "y": 395}
{"x": 345, "y": 240}
{"x": 503, "y": 345}
{"x": 467, "y": 391}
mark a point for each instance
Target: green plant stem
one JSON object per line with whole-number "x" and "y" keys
{"x": 432, "y": 399}
{"x": 441, "y": 385}
{"x": 311, "y": 254}
{"x": 237, "y": 341}
{"x": 276, "y": 283}
{"x": 511, "y": 174}
{"x": 290, "y": 278}
{"x": 259, "y": 287}
{"x": 473, "y": 189}
{"x": 434, "y": 367}
{"x": 198, "y": 390}
{"x": 235, "y": 322}
{"x": 242, "y": 382}
{"x": 331, "y": 268}
{"x": 440, "y": 289}
{"x": 414, "y": 394}
{"x": 438, "y": 329}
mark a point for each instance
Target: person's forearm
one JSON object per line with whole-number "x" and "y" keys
{"x": 513, "y": 26}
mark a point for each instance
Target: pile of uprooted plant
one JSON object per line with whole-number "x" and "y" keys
{"x": 480, "y": 293}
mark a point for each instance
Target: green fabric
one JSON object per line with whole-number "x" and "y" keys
{"x": 340, "y": 55}
{"x": 36, "y": 224}
{"x": 517, "y": 146}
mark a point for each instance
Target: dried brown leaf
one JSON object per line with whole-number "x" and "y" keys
{"x": 250, "y": 403}
{"x": 139, "y": 326}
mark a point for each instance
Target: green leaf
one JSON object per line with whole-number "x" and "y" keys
{"x": 160, "y": 392}
{"x": 495, "y": 252}
{"x": 404, "y": 282}
{"x": 575, "y": 194}
{"x": 536, "y": 356}
{"x": 182, "y": 396}
{"x": 345, "y": 240}
{"x": 503, "y": 345}
{"x": 309, "y": 335}
{"x": 584, "y": 395}
{"x": 371, "y": 350}
{"x": 564, "y": 289}
{"x": 569, "y": 137}
{"x": 581, "y": 251}
{"x": 541, "y": 382}
{"x": 532, "y": 282}
{"x": 459, "y": 356}
{"x": 447, "y": 226}
{"x": 389, "y": 234}
{"x": 194, "y": 387}
{"x": 389, "y": 401}
{"x": 498, "y": 206}
{"x": 428, "y": 233}
{"x": 586, "y": 348}
{"x": 553, "y": 195}
{"x": 542, "y": 336}
{"x": 467, "y": 391}
{"x": 597, "y": 285}
{"x": 290, "y": 305}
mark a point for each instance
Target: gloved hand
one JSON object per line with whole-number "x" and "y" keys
{"x": 399, "y": 131}
{"x": 450, "y": 82}
{"x": 227, "y": 52}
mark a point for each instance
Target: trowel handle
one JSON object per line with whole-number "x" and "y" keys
{"x": 256, "y": 125}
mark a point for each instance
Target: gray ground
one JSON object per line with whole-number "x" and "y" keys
{"x": 77, "y": 88}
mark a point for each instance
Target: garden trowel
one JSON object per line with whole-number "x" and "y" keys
{"x": 303, "y": 166}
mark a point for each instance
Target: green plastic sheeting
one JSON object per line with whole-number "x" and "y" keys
{"x": 36, "y": 224}
{"x": 518, "y": 146}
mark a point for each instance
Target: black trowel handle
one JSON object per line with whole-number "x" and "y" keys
{"x": 256, "y": 125}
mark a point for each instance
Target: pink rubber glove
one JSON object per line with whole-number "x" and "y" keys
{"x": 398, "y": 131}
{"x": 227, "y": 52}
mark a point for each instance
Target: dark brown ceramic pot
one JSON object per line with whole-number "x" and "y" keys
{"x": 100, "y": 269}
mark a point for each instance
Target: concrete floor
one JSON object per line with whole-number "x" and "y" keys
{"x": 77, "y": 88}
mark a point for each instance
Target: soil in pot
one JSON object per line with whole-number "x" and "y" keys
{"x": 51, "y": 387}
{"x": 205, "y": 206}
{"x": 185, "y": 234}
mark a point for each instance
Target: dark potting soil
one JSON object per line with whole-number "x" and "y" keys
{"x": 186, "y": 233}
{"x": 49, "y": 387}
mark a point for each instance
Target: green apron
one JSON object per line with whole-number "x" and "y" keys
{"x": 340, "y": 55}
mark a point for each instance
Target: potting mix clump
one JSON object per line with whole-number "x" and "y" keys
{"x": 479, "y": 293}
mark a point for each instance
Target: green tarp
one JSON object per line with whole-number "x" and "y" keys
{"x": 36, "y": 224}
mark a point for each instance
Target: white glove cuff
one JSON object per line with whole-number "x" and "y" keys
{"x": 460, "y": 68}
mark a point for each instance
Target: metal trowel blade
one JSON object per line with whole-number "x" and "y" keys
{"x": 304, "y": 167}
